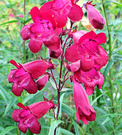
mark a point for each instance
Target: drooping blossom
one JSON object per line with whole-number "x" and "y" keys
{"x": 23, "y": 77}
{"x": 61, "y": 9}
{"x": 43, "y": 30}
{"x": 90, "y": 78}
{"x": 95, "y": 18}
{"x": 85, "y": 111}
{"x": 88, "y": 51}
{"x": 28, "y": 116}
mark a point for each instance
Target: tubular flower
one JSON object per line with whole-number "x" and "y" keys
{"x": 23, "y": 77}
{"x": 62, "y": 9}
{"x": 43, "y": 30}
{"x": 90, "y": 79}
{"x": 84, "y": 112}
{"x": 95, "y": 18}
{"x": 28, "y": 116}
{"x": 88, "y": 51}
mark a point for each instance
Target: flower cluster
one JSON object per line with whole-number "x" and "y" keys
{"x": 83, "y": 58}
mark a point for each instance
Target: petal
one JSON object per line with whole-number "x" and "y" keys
{"x": 85, "y": 121}
{"x": 35, "y": 45}
{"x": 16, "y": 115}
{"x": 76, "y": 13}
{"x": 75, "y": 66}
{"x": 41, "y": 82}
{"x": 39, "y": 109}
{"x": 91, "y": 117}
{"x": 11, "y": 74}
{"x": 56, "y": 53}
{"x": 89, "y": 90}
{"x": 52, "y": 42}
{"x": 101, "y": 80}
{"x": 28, "y": 84}
{"x": 102, "y": 58}
{"x": 77, "y": 35}
{"x": 22, "y": 127}
{"x": 100, "y": 38}
{"x": 77, "y": 115}
{"x": 71, "y": 54}
{"x": 36, "y": 68}
{"x": 35, "y": 127}
{"x": 87, "y": 63}
{"x": 35, "y": 14}
{"x": 17, "y": 89}
{"x": 89, "y": 35}
{"x": 25, "y": 32}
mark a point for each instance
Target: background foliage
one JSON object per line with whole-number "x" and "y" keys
{"x": 106, "y": 101}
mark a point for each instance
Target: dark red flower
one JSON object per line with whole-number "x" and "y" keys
{"x": 23, "y": 77}
{"x": 88, "y": 51}
{"x": 61, "y": 9}
{"x": 43, "y": 30}
{"x": 95, "y": 18}
{"x": 84, "y": 112}
{"x": 28, "y": 116}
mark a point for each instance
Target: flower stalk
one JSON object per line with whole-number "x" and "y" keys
{"x": 110, "y": 54}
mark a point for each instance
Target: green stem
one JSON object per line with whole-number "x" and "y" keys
{"x": 24, "y": 48}
{"x": 110, "y": 54}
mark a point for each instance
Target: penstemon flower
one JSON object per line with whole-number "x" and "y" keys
{"x": 80, "y": 53}
{"x": 28, "y": 116}
{"x": 23, "y": 77}
{"x": 61, "y": 9}
{"x": 88, "y": 51}
{"x": 43, "y": 30}
{"x": 85, "y": 112}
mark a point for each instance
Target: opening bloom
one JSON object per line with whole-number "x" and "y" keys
{"x": 28, "y": 116}
{"x": 43, "y": 30}
{"x": 88, "y": 51}
{"x": 85, "y": 111}
{"x": 95, "y": 18}
{"x": 61, "y": 9}
{"x": 23, "y": 77}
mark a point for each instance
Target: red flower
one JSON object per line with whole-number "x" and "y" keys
{"x": 23, "y": 77}
{"x": 43, "y": 30}
{"x": 95, "y": 18}
{"x": 28, "y": 116}
{"x": 88, "y": 51}
{"x": 85, "y": 112}
{"x": 90, "y": 79}
{"x": 61, "y": 9}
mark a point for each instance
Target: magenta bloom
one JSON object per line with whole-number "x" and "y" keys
{"x": 23, "y": 77}
{"x": 90, "y": 79}
{"x": 61, "y": 9}
{"x": 85, "y": 112}
{"x": 95, "y": 18}
{"x": 88, "y": 51}
{"x": 28, "y": 116}
{"x": 43, "y": 30}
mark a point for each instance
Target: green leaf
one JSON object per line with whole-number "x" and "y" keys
{"x": 10, "y": 104}
{"x": 7, "y": 130}
{"x": 68, "y": 110}
{"x": 76, "y": 127}
{"x": 13, "y": 21}
{"x": 61, "y": 101}
{"x": 54, "y": 124}
{"x": 65, "y": 132}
